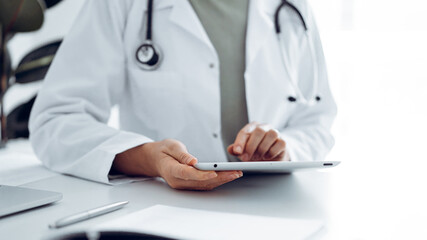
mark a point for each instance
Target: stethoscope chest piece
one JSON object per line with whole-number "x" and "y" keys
{"x": 148, "y": 55}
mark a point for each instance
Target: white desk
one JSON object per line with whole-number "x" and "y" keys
{"x": 281, "y": 196}
{"x": 356, "y": 201}
{"x": 19, "y": 165}
{"x": 301, "y": 195}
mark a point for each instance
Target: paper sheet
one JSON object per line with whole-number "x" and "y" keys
{"x": 185, "y": 223}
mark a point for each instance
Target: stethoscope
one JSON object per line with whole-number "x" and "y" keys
{"x": 149, "y": 55}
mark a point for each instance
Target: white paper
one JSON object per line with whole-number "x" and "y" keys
{"x": 185, "y": 223}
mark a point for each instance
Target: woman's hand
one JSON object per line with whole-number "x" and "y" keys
{"x": 170, "y": 160}
{"x": 259, "y": 142}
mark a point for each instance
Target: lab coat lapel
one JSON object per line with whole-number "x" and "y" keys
{"x": 185, "y": 17}
{"x": 260, "y": 26}
{"x": 263, "y": 69}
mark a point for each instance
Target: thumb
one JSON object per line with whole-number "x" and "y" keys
{"x": 179, "y": 152}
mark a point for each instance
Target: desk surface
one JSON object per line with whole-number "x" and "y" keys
{"x": 300, "y": 195}
{"x": 19, "y": 165}
{"x": 354, "y": 201}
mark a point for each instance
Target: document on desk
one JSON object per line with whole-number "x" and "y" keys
{"x": 185, "y": 223}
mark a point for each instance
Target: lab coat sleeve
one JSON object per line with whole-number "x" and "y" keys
{"x": 307, "y": 133}
{"x": 68, "y": 123}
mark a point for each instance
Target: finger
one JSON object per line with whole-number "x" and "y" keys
{"x": 222, "y": 178}
{"x": 278, "y": 147}
{"x": 230, "y": 150}
{"x": 267, "y": 142}
{"x": 178, "y": 151}
{"x": 280, "y": 157}
{"x": 254, "y": 140}
{"x": 185, "y": 172}
{"x": 242, "y": 137}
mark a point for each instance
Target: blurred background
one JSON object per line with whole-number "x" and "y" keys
{"x": 376, "y": 52}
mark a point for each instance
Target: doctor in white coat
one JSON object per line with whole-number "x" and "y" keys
{"x": 170, "y": 117}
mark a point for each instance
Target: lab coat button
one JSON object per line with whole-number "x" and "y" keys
{"x": 318, "y": 98}
{"x": 215, "y": 135}
{"x": 211, "y": 65}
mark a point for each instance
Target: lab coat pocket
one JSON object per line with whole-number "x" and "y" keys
{"x": 159, "y": 99}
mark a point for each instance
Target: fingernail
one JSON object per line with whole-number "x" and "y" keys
{"x": 189, "y": 161}
{"x": 238, "y": 149}
{"x": 240, "y": 174}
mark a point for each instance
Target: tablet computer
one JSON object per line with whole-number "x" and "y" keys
{"x": 266, "y": 166}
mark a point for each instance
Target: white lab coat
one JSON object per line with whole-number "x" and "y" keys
{"x": 95, "y": 69}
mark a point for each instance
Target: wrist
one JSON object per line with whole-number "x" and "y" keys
{"x": 136, "y": 162}
{"x": 148, "y": 162}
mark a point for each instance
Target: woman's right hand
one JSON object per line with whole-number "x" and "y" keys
{"x": 170, "y": 160}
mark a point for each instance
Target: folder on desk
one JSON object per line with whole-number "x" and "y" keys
{"x": 182, "y": 223}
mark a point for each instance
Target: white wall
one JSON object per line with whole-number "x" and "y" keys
{"x": 377, "y": 56}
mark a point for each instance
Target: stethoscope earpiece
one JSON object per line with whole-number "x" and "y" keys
{"x": 292, "y": 99}
{"x": 309, "y": 102}
{"x": 148, "y": 55}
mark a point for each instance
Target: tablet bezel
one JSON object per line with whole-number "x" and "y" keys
{"x": 265, "y": 166}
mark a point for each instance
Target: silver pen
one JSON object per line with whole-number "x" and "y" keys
{"x": 78, "y": 217}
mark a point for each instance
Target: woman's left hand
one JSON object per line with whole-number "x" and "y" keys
{"x": 259, "y": 142}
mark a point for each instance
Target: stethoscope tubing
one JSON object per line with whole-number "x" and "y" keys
{"x": 154, "y": 62}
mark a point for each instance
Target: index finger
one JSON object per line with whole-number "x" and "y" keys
{"x": 242, "y": 138}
